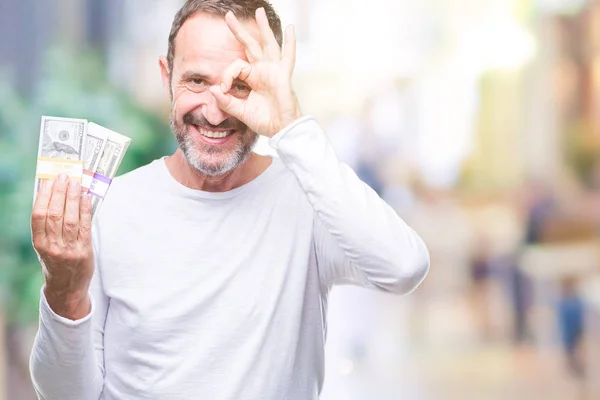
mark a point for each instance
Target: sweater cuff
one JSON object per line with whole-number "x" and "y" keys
{"x": 274, "y": 141}
{"x": 47, "y": 313}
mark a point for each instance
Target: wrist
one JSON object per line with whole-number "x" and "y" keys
{"x": 70, "y": 304}
{"x": 287, "y": 121}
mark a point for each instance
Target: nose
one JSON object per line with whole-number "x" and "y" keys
{"x": 212, "y": 112}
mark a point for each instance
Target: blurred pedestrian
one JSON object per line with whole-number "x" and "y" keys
{"x": 571, "y": 323}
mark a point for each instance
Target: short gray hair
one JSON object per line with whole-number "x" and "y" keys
{"x": 243, "y": 9}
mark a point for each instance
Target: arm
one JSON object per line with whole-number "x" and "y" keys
{"x": 358, "y": 237}
{"x": 67, "y": 359}
{"x": 64, "y": 363}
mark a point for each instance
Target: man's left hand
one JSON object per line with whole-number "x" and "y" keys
{"x": 269, "y": 104}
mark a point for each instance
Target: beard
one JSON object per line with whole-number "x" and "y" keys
{"x": 210, "y": 159}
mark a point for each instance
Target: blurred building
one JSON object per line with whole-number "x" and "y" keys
{"x": 34, "y": 26}
{"x": 29, "y": 23}
{"x": 427, "y": 45}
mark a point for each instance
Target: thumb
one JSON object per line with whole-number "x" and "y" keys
{"x": 228, "y": 103}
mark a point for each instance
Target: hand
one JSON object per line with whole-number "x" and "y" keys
{"x": 61, "y": 227}
{"x": 271, "y": 104}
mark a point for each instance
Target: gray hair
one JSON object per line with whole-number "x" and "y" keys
{"x": 243, "y": 9}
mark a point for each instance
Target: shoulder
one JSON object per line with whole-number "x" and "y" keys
{"x": 139, "y": 183}
{"x": 132, "y": 189}
{"x": 134, "y": 180}
{"x": 283, "y": 179}
{"x": 284, "y": 191}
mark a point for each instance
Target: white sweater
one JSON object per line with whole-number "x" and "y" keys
{"x": 223, "y": 296}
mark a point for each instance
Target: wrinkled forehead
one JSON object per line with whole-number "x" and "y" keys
{"x": 206, "y": 39}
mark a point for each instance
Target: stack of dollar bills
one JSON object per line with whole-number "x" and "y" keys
{"x": 84, "y": 151}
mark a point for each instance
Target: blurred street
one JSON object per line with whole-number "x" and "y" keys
{"x": 388, "y": 348}
{"x": 435, "y": 351}
{"x": 477, "y": 121}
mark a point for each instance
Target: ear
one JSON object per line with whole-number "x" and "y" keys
{"x": 164, "y": 73}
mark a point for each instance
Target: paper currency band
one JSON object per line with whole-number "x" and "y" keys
{"x": 102, "y": 178}
{"x": 50, "y": 168}
{"x": 99, "y": 186}
{"x": 51, "y": 177}
{"x": 86, "y": 182}
{"x": 61, "y": 160}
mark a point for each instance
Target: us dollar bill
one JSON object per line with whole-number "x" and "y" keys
{"x": 97, "y": 136}
{"x": 112, "y": 156}
{"x": 61, "y": 148}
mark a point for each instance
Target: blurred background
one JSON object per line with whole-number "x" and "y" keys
{"x": 478, "y": 121}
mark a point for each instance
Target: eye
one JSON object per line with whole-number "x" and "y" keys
{"x": 195, "y": 84}
{"x": 240, "y": 90}
{"x": 240, "y": 87}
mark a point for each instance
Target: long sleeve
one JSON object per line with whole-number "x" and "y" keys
{"x": 359, "y": 239}
{"x": 67, "y": 359}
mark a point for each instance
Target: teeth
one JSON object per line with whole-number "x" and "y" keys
{"x": 214, "y": 135}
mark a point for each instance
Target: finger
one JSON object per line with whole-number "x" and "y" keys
{"x": 228, "y": 103}
{"x": 253, "y": 48}
{"x": 71, "y": 218}
{"x": 289, "y": 48}
{"x": 40, "y": 211}
{"x": 269, "y": 43}
{"x": 85, "y": 219}
{"x": 239, "y": 69}
{"x": 56, "y": 208}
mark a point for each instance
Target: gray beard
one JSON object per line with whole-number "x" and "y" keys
{"x": 199, "y": 161}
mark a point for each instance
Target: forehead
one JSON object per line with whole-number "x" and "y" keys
{"x": 207, "y": 38}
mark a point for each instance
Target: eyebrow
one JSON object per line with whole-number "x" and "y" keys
{"x": 187, "y": 75}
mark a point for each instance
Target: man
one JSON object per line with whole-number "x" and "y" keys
{"x": 207, "y": 273}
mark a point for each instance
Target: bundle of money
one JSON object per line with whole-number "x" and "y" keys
{"x": 106, "y": 169}
{"x": 94, "y": 147}
{"x": 60, "y": 149}
{"x": 85, "y": 151}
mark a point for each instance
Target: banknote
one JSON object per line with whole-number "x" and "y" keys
{"x": 97, "y": 137}
{"x": 61, "y": 148}
{"x": 114, "y": 151}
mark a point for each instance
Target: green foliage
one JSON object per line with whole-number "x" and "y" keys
{"x": 73, "y": 84}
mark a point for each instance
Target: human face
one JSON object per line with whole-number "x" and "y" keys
{"x": 212, "y": 141}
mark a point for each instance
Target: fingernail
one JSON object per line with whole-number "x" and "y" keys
{"x": 62, "y": 177}
{"x": 73, "y": 185}
{"x": 223, "y": 87}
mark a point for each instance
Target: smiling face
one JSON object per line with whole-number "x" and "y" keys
{"x": 212, "y": 141}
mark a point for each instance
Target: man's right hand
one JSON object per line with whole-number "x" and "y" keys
{"x": 61, "y": 226}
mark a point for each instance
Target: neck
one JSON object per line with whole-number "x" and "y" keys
{"x": 190, "y": 177}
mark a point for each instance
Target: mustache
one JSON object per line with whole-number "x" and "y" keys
{"x": 197, "y": 119}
